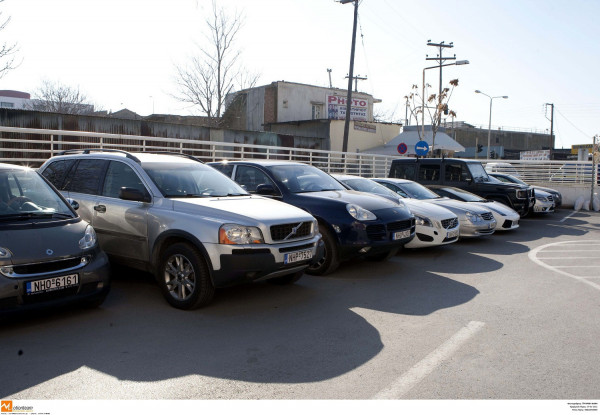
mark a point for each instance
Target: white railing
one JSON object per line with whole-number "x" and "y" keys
{"x": 34, "y": 146}
{"x": 48, "y": 143}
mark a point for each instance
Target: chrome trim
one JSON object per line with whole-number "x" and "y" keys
{"x": 84, "y": 261}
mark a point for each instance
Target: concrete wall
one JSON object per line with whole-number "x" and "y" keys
{"x": 513, "y": 140}
{"x": 361, "y": 140}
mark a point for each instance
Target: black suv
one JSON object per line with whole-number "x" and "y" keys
{"x": 353, "y": 224}
{"x": 464, "y": 174}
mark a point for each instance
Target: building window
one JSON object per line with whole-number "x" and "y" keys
{"x": 317, "y": 111}
{"x": 7, "y": 105}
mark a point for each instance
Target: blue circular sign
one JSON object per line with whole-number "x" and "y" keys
{"x": 421, "y": 148}
{"x": 402, "y": 148}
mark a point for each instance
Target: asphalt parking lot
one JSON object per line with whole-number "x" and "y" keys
{"x": 510, "y": 316}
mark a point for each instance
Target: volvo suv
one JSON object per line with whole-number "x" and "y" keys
{"x": 194, "y": 228}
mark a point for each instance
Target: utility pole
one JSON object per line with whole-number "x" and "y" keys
{"x": 356, "y": 79}
{"x": 440, "y": 59}
{"x": 350, "y": 76}
{"x": 551, "y": 125}
{"x": 329, "y": 71}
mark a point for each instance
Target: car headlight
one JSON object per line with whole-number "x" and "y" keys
{"x": 89, "y": 238}
{"x": 4, "y": 253}
{"x": 421, "y": 221}
{"x": 232, "y": 234}
{"x": 474, "y": 218}
{"x": 541, "y": 198}
{"x": 359, "y": 213}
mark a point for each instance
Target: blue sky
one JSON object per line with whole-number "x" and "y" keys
{"x": 122, "y": 53}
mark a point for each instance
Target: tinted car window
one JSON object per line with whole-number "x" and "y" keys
{"x": 404, "y": 171}
{"x": 250, "y": 178}
{"x": 429, "y": 172}
{"x": 456, "y": 173}
{"x": 57, "y": 171}
{"x": 86, "y": 177}
{"x": 304, "y": 178}
{"x": 120, "y": 175}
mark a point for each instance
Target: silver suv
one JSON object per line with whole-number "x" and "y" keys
{"x": 190, "y": 225}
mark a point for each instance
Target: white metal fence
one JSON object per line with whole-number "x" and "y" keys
{"x": 34, "y": 146}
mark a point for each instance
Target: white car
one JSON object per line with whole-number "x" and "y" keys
{"x": 544, "y": 202}
{"x": 506, "y": 217}
{"x": 434, "y": 224}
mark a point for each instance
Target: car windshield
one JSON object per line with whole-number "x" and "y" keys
{"x": 191, "y": 180}
{"x": 298, "y": 178}
{"x": 25, "y": 194}
{"x": 460, "y": 194}
{"x": 417, "y": 191}
{"x": 478, "y": 172}
{"x": 369, "y": 186}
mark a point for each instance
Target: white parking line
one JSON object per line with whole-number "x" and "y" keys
{"x": 533, "y": 256}
{"x": 419, "y": 371}
{"x": 568, "y": 216}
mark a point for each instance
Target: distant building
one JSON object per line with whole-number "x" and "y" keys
{"x": 14, "y": 99}
{"x": 314, "y": 116}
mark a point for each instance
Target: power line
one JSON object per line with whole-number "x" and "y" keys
{"x": 573, "y": 125}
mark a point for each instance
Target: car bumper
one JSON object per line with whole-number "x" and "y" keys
{"x": 431, "y": 236}
{"x": 471, "y": 230}
{"x": 94, "y": 282}
{"x": 241, "y": 264}
{"x": 543, "y": 207}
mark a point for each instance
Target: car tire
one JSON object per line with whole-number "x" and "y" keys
{"x": 330, "y": 260}
{"x": 286, "y": 279}
{"x": 184, "y": 278}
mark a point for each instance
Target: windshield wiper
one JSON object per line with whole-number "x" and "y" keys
{"x": 23, "y": 216}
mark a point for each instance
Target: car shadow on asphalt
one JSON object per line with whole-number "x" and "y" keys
{"x": 304, "y": 332}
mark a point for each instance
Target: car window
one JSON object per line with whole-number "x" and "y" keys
{"x": 226, "y": 169}
{"x": 24, "y": 191}
{"x": 300, "y": 178}
{"x": 403, "y": 171}
{"x": 250, "y": 178}
{"x": 429, "y": 172}
{"x": 395, "y": 189}
{"x": 478, "y": 172}
{"x": 120, "y": 175}
{"x": 56, "y": 172}
{"x": 86, "y": 177}
{"x": 456, "y": 172}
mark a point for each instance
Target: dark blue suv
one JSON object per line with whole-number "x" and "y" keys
{"x": 353, "y": 224}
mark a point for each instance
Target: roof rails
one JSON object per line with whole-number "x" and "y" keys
{"x": 172, "y": 153}
{"x": 100, "y": 150}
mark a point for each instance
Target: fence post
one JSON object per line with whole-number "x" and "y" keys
{"x": 51, "y": 145}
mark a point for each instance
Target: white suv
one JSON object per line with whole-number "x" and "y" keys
{"x": 189, "y": 224}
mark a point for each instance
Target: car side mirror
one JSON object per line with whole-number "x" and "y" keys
{"x": 73, "y": 203}
{"x": 135, "y": 195}
{"x": 266, "y": 190}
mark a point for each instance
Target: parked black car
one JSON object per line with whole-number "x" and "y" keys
{"x": 464, "y": 174}
{"x": 353, "y": 224}
{"x": 507, "y": 178}
{"x": 48, "y": 254}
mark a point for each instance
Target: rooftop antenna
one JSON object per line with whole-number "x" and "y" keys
{"x": 329, "y": 71}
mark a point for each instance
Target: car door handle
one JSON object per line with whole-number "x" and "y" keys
{"x": 100, "y": 208}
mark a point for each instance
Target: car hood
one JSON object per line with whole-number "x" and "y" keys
{"x": 364, "y": 200}
{"x": 458, "y": 207}
{"x": 46, "y": 242}
{"x": 498, "y": 207}
{"x": 428, "y": 210}
{"x": 240, "y": 209}
{"x": 545, "y": 189}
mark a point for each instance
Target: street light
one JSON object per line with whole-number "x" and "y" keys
{"x": 490, "y": 122}
{"x": 350, "y": 76}
{"x": 463, "y": 62}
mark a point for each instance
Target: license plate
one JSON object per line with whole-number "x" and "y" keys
{"x": 297, "y": 256}
{"x": 401, "y": 235}
{"x": 52, "y": 284}
{"x": 453, "y": 234}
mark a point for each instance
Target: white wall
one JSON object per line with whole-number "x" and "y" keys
{"x": 361, "y": 140}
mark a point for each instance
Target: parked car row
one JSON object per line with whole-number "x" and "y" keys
{"x": 197, "y": 227}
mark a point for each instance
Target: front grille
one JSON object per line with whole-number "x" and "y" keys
{"x": 281, "y": 232}
{"x": 380, "y": 232}
{"x": 450, "y": 223}
{"x": 487, "y": 216}
{"x": 401, "y": 225}
{"x": 376, "y": 232}
{"x": 550, "y": 198}
{"x": 63, "y": 265}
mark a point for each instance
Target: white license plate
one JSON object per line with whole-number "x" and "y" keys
{"x": 52, "y": 284}
{"x": 297, "y": 256}
{"x": 401, "y": 235}
{"x": 453, "y": 234}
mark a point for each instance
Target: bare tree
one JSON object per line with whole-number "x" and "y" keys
{"x": 430, "y": 109}
{"x": 56, "y": 97}
{"x": 216, "y": 71}
{"x": 7, "y": 50}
